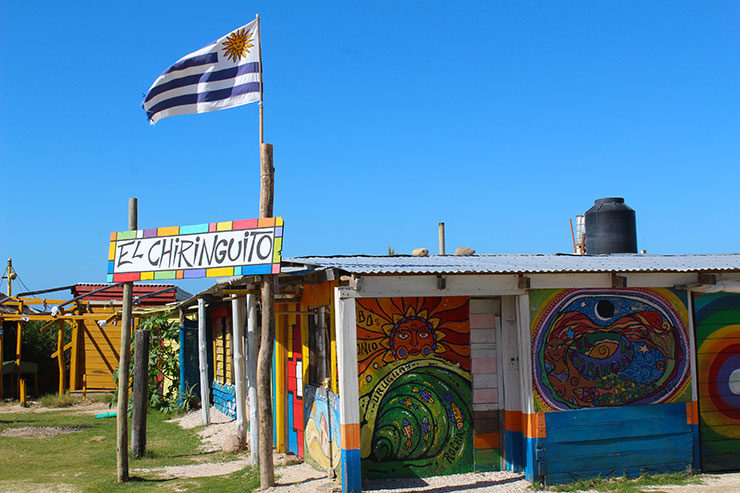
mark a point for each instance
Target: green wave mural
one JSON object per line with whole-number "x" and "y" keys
{"x": 416, "y": 407}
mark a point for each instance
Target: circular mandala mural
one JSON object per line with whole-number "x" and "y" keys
{"x": 598, "y": 348}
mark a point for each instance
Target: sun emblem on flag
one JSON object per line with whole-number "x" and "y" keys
{"x": 237, "y": 44}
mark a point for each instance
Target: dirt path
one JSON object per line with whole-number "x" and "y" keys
{"x": 298, "y": 478}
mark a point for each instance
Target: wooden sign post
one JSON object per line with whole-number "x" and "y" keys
{"x": 123, "y": 363}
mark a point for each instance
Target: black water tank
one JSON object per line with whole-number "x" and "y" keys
{"x": 610, "y": 227}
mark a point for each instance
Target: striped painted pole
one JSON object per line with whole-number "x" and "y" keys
{"x": 349, "y": 391}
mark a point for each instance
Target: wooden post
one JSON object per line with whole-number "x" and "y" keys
{"x": 9, "y": 293}
{"x": 264, "y": 360}
{"x": 140, "y": 398}
{"x": 2, "y": 390}
{"x": 123, "y": 370}
{"x": 60, "y": 355}
{"x": 252, "y": 377}
{"x": 22, "y": 392}
{"x": 237, "y": 337}
{"x": 205, "y": 391}
{"x": 74, "y": 355}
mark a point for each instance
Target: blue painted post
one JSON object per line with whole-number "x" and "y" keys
{"x": 182, "y": 363}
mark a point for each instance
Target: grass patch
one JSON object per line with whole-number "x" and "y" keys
{"x": 56, "y": 400}
{"x": 85, "y": 460}
{"x": 104, "y": 398}
{"x": 624, "y": 484}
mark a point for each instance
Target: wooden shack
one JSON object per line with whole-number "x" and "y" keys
{"x": 101, "y": 342}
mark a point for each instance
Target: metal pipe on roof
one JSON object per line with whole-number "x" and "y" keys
{"x": 50, "y": 290}
{"x": 441, "y": 238}
{"x": 138, "y": 299}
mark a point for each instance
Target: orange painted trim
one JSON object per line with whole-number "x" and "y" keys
{"x": 513, "y": 421}
{"x": 535, "y": 425}
{"x": 350, "y": 436}
{"x": 487, "y": 440}
{"x": 692, "y": 413}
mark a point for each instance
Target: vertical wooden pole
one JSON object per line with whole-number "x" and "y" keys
{"x": 252, "y": 377}
{"x": 123, "y": 369}
{"x": 237, "y": 338}
{"x": 140, "y": 398}
{"x": 74, "y": 355}
{"x": 9, "y": 293}
{"x": 2, "y": 390}
{"x": 264, "y": 360}
{"x": 205, "y": 391}
{"x": 19, "y": 329}
{"x": 60, "y": 355}
{"x": 22, "y": 391}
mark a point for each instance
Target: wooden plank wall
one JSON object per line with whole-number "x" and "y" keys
{"x": 485, "y": 371}
{"x": 616, "y": 441}
{"x": 101, "y": 346}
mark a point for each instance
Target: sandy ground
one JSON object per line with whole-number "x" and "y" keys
{"x": 300, "y": 477}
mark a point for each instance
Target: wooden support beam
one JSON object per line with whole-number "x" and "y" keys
{"x": 205, "y": 391}
{"x": 238, "y": 316}
{"x": 66, "y": 346}
{"x": 60, "y": 356}
{"x": 74, "y": 357}
{"x": 618, "y": 281}
{"x": 252, "y": 377}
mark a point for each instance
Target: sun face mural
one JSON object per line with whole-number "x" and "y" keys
{"x": 415, "y": 386}
{"x": 609, "y": 347}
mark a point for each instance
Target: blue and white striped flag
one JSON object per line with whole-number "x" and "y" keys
{"x": 224, "y": 74}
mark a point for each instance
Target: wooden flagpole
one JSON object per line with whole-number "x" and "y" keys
{"x": 267, "y": 292}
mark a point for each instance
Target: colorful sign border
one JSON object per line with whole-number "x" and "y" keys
{"x": 197, "y": 273}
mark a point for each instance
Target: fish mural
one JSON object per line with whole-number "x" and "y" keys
{"x": 609, "y": 347}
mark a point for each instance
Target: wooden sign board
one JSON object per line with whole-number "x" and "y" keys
{"x": 231, "y": 248}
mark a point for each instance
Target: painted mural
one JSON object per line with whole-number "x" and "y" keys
{"x": 717, "y": 318}
{"x": 322, "y": 428}
{"x": 609, "y": 347}
{"x": 415, "y": 386}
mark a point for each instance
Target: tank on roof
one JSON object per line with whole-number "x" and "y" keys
{"x": 610, "y": 227}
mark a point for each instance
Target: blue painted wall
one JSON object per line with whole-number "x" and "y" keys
{"x": 618, "y": 441}
{"x": 224, "y": 398}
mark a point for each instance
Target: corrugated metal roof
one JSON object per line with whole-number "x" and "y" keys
{"x": 523, "y": 263}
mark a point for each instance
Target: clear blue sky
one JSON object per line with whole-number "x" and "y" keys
{"x": 502, "y": 119}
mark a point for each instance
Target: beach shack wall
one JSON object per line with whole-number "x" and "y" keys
{"x": 304, "y": 370}
{"x": 555, "y": 365}
{"x": 100, "y": 343}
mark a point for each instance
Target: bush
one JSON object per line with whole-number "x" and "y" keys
{"x": 164, "y": 364}
{"x": 56, "y": 400}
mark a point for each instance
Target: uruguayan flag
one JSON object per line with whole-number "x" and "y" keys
{"x": 224, "y": 74}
